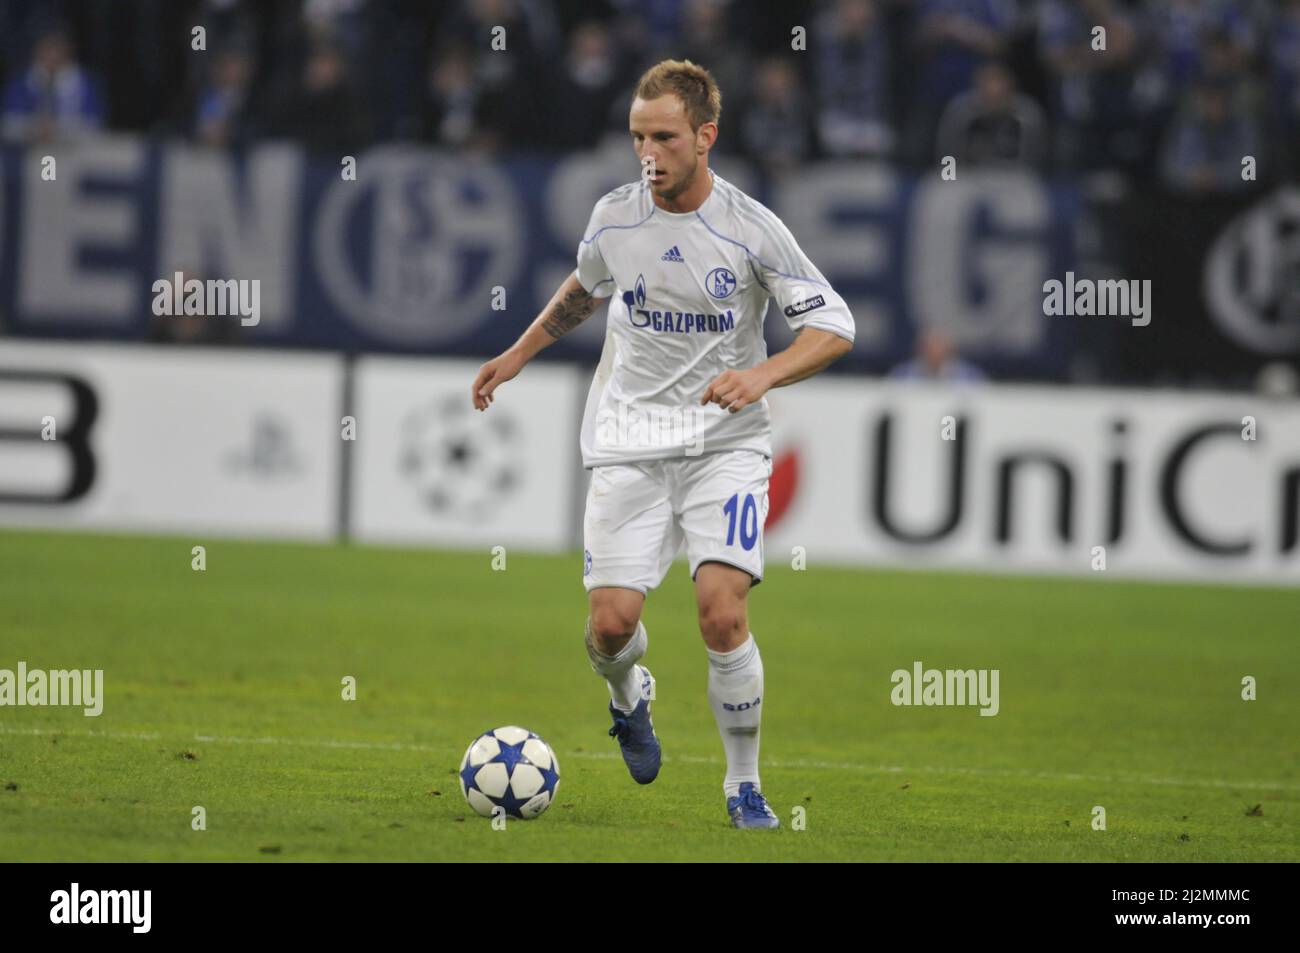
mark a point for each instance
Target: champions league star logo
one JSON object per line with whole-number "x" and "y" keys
{"x": 455, "y": 466}
{"x": 720, "y": 283}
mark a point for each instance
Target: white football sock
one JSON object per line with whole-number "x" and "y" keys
{"x": 621, "y": 670}
{"x": 736, "y": 694}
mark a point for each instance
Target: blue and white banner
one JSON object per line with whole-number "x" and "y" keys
{"x": 426, "y": 252}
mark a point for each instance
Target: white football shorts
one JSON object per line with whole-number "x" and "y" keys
{"x": 639, "y": 514}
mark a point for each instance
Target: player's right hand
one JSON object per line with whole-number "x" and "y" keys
{"x": 492, "y": 374}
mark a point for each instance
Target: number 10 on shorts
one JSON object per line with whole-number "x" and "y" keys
{"x": 748, "y": 520}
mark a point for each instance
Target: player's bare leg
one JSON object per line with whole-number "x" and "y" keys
{"x": 735, "y": 686}
{"x": 720, "y": 593}
{"x": 616, "y": 640}
{"x": 615, "y": 613}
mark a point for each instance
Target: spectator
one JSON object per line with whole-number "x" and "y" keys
{"x": 654, "y": 27}
{"x": 953, "y": 37}
{"x": 452, "y": 103}
{"x": 339, "y": 24}
{"x": 950, "y": 39}
{"x": 192, "y": 328}
{"x": 1093, "y": 95}
{"x": 881, "y": 77}
{"x": 222, "y": 113}
{"x": 852, "y": 69}
{"x": 322, "y": 112}
{"x": 54, "y": 98}
{"x": 585, "y": 89}
{"x": 512, "y": 109}
{"x": 709, "y": 40}
{"x": 1278, "y": 380}
{"x": 1284, "y": 64}
{"x": 937, "y": 360}
{"x": 774, "y": 129}
{"x": 227, "y": 22}
{"x": 1181, "y": 28}
{"x": 1204, "y": 146}
{"x": 993, "y": 123}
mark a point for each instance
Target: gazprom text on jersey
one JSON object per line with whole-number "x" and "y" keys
{"x": 683, "y": 322}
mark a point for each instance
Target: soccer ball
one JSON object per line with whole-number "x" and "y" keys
{"x": 510, "y": 768}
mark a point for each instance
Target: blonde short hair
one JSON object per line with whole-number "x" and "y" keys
{"x": 689, "y": 82}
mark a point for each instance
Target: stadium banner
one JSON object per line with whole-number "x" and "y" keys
{"x": 169, "y": 439}
{"x": 426, "y": 252}
{"x": 1226, "y": 277}
{"x": 428, "y": 469}
{"x": 1113, "y": 483}
{"x": 1107, "y": 482}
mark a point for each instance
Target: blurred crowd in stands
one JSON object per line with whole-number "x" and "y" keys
{"x": 1181, "y": 91}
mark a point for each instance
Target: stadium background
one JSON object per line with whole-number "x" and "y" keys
{"x": 475, "y": 173}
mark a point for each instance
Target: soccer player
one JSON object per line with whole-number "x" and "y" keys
{"x": 676, "y": 429}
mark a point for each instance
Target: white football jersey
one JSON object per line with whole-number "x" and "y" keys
{"x": 689, "y": 293}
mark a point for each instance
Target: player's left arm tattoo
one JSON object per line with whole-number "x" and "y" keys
{"x": 569, "y": 312}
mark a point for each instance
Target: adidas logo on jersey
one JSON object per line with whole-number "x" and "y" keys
{"x": 672, "y": 254}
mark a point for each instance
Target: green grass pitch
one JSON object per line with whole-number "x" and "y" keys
{"x": 223, "y": 690}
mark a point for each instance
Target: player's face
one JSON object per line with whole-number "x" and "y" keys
{"x": 661, "y": 130}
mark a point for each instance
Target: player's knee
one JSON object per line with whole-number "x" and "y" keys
{"x": 611, "y": 627}
{"x": 723, "y": 624}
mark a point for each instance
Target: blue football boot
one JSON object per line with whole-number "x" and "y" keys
{"x": 750, "y": 809}
{"x": 636, "y": 734}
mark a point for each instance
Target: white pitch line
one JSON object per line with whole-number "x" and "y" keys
{"x": 798, "y": 764}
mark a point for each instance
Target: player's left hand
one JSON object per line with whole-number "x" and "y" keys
{"x": 736, "y": 390}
